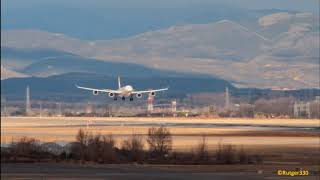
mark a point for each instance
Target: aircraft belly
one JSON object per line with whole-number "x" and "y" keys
{"x": 125, "y": 94}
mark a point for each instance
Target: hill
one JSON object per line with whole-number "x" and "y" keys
{"x": 7, "y": 73}
{"x": 277, "y": 51}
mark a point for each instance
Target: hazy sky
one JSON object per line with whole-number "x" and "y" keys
{"x": 299, "y": 5}
{"x": 108, "y": 19}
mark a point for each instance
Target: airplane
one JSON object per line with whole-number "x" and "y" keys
{"x": 122, "y": 91}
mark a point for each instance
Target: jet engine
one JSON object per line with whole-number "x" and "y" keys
{"x": 139, "y": 95}
{"x": 111, "y": 94}
{"x": 153, "y": 93}
{"x": 95, "y": 92}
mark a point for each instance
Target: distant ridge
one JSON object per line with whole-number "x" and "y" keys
{"x": 278, "y": 50}
{"x": 6, "y": 74}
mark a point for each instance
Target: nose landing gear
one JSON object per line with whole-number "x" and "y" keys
{"x": 123, "y": 98}
{"x": 131, "y": 98}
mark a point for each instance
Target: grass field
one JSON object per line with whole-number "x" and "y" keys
{"x": 186, "y": 131}
{"x": 32, "y": 121}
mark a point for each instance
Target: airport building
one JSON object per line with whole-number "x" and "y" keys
{"x": 301, "y": 109}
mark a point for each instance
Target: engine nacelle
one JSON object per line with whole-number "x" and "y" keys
{"x": 153, "y": 93}
{"x": 111, "y": 94}
{"x": 95, "y": 92}
{"x": 139, "y": 95}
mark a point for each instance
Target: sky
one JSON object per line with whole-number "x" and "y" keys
{"x": 298, "y": 5}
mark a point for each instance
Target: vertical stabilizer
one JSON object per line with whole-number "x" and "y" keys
{"x": 119, "y": 82}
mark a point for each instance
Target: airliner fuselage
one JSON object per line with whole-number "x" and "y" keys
{"x": 126, "y": 91}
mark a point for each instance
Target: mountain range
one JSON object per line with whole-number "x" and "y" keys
{"x": 279, "y": 51}
{"x": 113, "y": 19}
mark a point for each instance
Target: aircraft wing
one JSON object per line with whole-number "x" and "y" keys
{"x": 99, "y": 90}
{"x": 149, "y": 91}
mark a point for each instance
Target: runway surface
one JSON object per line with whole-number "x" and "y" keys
{"x": 141, "y": 172}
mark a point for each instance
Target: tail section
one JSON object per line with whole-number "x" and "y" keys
{"x": 119, "y": 82}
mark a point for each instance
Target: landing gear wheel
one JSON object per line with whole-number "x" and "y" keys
{"x": 131, "y": 99}
{"x": 123, "y": 98}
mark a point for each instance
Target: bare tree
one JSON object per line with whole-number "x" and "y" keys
{"x": 83, "y": 139}
{"x": 134, "y": 147}
{"x": 202, "y": 152}
{"x": 226, "y": 154}
{"x": 108, "y": 153}
{"x": 25, "y": 146}
{"x": 94, "y": 147}
{"x": 159, "y": 140}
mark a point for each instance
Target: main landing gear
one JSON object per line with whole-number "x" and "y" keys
{"x": 123, "y": 98}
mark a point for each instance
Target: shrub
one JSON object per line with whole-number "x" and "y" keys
{"x": 133, "y": 147}
{"x": 26, "y": 149}
{"x": 80, "y": 149}
{"x": 159, "y": 141}
{"x": 182, "y": 158}
{"x": 25, "y": 146}
{"x": 94, "y": 147}
{"x": 226, "y": 154}
{"x": 201, "y": 151}
{"x": 244, "y": 158}
{"x": 108, "y": 153}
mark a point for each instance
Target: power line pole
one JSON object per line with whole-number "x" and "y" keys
{"x": 40, "y": 109}
{"x": 174, "y": 107}
{"x": 150, "y": 104}
{"x": 28, "y": 104}
{"x": 227, "y": 98}
{"x": 59, "y": 109}
{"x": 4, "y": 105}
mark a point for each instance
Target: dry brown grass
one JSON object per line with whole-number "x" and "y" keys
{"x": 57, "y": 129}
{"x": 12, "y": 121}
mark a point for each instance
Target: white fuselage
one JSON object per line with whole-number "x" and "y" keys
{"x": 126, "y": 90}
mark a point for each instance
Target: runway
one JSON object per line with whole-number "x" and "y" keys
{"x": 131, "y": 171}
